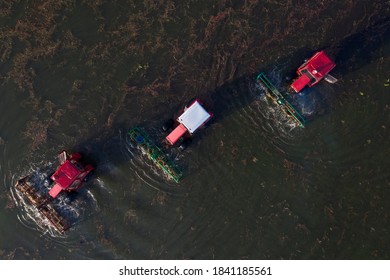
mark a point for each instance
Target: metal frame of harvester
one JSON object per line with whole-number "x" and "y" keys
{"x": 281, "y": 100}
{"x": 154, "y": 153}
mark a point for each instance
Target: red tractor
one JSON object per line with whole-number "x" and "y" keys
{"x": 193, "y": 117}
{"x": 69, "y": 176}
{"x": 314, "y": 70}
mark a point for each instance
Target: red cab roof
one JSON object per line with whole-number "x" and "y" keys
{"x": 65, "y": 174}
{"x": 318, "y": 65}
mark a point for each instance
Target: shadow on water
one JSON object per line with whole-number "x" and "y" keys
{"x": 137, "y": 221}
{"x": 359, "y": 49}
{"x": 350, "y": 54}
{"x": 102, "y": 148}
{"x": 112, "y": 153}
{"x": 106, "y": 151}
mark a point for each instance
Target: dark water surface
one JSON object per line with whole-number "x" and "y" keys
{"x": 77, "y": 75}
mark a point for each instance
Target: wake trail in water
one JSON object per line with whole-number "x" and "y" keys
{"x": 144, "y": 169}
{"x": 73, "y": 207}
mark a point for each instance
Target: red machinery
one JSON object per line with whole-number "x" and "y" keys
{"x": 313, "y": 71}
{"x": 193, "y": 117}
{"x": 69, "y": 176}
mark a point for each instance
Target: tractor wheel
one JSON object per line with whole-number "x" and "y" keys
{"x": 184, "y": 145}
{"x": 88, "y": 177}
{"x": 168, "y": 125}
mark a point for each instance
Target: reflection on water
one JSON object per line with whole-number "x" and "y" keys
{"x": 79, "y": 75}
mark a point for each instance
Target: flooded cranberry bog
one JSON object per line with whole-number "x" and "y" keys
{"x": 78, "y": 75}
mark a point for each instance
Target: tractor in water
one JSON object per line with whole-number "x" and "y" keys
{"x": 179, "y": 132}
{"x": 311, "y": 72}
{"x": 193, "y": 117}
{"x": 314, "y": 70}
{"x": 69, "y": 176}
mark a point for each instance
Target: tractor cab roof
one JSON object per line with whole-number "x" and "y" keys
{"x": 318, "y": 65}
{"x": 65, "y": 174}
{"x": 194, "y": 117}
